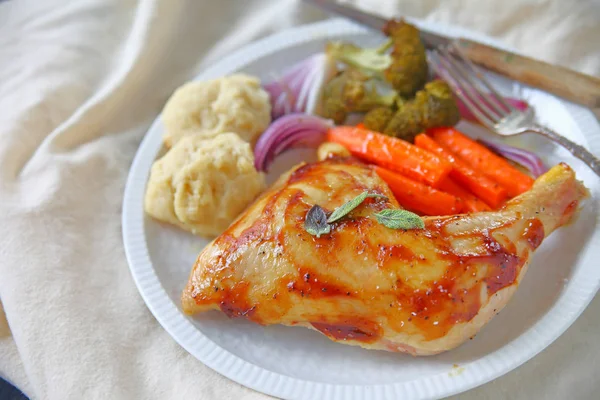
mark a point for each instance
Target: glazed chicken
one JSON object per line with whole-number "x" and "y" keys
{"x": 421, "y": 291}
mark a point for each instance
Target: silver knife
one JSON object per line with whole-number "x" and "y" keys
{"x": 571, "y": 85}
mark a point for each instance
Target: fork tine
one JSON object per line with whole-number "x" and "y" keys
{"x": 477, "y": 72}
{"x": 498, "y": 112}
{"x": 468, "y": 95}
{"x": 442, "y": 70}
{"x": 480, "y": 98}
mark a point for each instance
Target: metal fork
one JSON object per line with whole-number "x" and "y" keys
{"x": 490, "y": 108}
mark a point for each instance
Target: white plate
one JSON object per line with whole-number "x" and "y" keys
{"x": 298, "y": 363}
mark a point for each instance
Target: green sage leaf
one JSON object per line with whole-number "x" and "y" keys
{"x": 315, "y": 222}
{"x": 345, "y": 209}
{"x": 399, "y": 219}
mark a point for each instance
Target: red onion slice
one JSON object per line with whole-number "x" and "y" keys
{"x": 298, "y": 89}
{"x": 523, "y": 157}
{"x": 288, "y": 132}
{"x": 468, "y": 115}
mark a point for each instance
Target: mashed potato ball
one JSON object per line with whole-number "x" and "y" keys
{"x": 203, "y": 184}
{"x": 235, "y": 103}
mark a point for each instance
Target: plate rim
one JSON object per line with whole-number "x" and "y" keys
{"x": 491, "y": 366}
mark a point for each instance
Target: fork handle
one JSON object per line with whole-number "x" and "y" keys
{"x": 578, "y": 151}
{"x": 571, "y": 85}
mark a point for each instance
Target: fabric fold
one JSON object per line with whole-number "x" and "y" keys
{"x": 80, "y": 82}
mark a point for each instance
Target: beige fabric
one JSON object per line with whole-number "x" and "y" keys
{"x": 79, "y": 84}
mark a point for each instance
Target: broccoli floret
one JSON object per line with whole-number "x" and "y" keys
{"x": 433, "y": 106}
{"x": 406, "y": 123}
{"x": 405, "y": 67}
{"x": 438, "y": 104}
{"x": 378, "y": 118}
{"x": 351, "y": 91}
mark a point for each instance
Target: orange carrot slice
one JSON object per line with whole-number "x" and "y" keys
{"x": 391, "y": 153}
{"x": 483, "y": 160}
{"x": 475, "y": 182}
{"x": 471, "y": 203}
{"x": 419, "y": 197}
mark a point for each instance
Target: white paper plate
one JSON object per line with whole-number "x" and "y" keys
{"x": 302, "y": 364}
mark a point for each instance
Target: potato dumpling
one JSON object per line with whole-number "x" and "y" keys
{"x": 235, "y": 103}
{"x": 203, "y": 184}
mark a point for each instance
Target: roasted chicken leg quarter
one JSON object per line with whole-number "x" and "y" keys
{"x": 421, "y": 291}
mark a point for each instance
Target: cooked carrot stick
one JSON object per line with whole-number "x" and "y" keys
{"x": 419, "y": 197}
{"x": 471, "y": 203}
{"x": 475, "y": 182}
{"x": 481, "y": 159}
{"x": 391, "y": 153}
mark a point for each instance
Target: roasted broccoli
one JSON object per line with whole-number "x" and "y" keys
{"x": 351, "y": 91}
{"x": 378, "y": 118}
{"x": 407, "y": 122}
{"x": 438, "y": 104}
{"x": 405, "y": 67}
{"x": 433, "y": 106}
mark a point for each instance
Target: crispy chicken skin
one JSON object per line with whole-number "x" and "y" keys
{"x": 418, "y": 291}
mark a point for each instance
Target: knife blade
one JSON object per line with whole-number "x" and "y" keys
{"x": 571, "y": 85}
{"x": 430, "y": 39}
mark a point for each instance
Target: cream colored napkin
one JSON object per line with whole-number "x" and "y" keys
{"x": 79, "y": 84}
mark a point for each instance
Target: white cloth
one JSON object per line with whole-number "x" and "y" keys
{"x": 79, "y": 84}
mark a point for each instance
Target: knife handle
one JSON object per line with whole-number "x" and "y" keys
{"x": 574, "y": 86}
